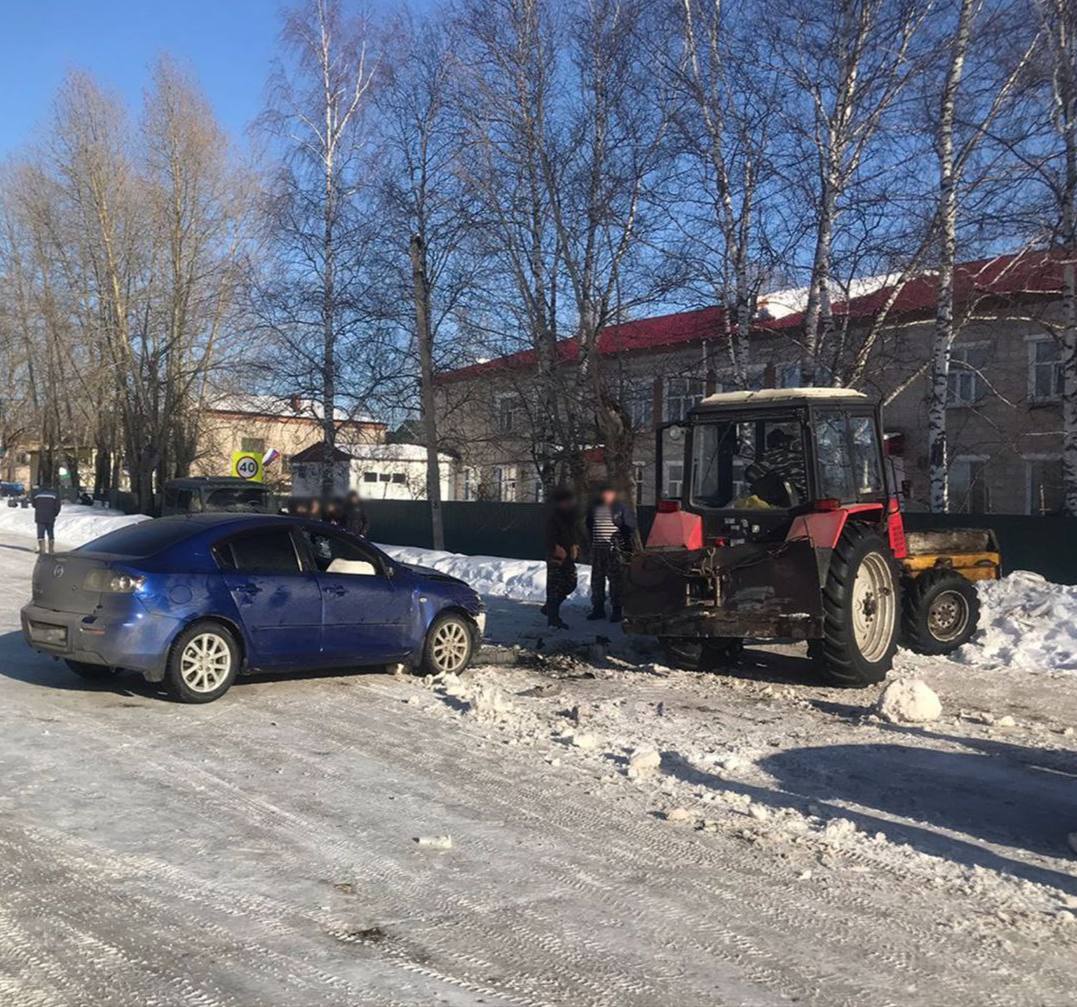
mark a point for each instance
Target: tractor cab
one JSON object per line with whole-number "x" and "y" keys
{"x": 786, "y": 526}
{"x": 755, "y": 461}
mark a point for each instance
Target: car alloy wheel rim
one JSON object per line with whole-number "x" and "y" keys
{"x": 948, "y": 616}
{"x": 205, "y": 662}
{"x": 450, "y": 647}
{"x": 874, "y": 607}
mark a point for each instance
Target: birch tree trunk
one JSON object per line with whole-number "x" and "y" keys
{"x": 424, "y": 337}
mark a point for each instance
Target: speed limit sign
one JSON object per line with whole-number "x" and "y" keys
{"x": 247, "y": 465}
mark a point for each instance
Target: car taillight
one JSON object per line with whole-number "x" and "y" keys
{"x": 828, "y": 503}
{"x": 668, "y": 506}
{"x": 112, "y": 581}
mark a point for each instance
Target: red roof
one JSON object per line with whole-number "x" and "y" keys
{"x": 1031, "y": 273}
{"x": 643, "y": 334}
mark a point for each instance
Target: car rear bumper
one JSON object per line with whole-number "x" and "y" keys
{"x": 139, "y": 642}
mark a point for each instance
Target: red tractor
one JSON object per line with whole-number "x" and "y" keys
{"x": 788, "y": 527}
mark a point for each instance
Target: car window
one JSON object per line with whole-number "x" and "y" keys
{"x": 146, "y": 538}
{"x": 259, "y": 552}
{"x": 237, "y": 498}
{"x": 336, "y": 554}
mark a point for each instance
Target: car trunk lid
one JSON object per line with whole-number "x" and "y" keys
{"x": 59, "y": 582}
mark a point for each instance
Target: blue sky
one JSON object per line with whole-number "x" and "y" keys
{"x": 228, "y": 44}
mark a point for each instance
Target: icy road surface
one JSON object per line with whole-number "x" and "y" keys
{"x": 788, "y": 848}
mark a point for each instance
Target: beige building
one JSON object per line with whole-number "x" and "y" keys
{"x": 1004, "y": 417}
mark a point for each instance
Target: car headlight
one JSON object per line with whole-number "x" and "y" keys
{"x": 112, "y": 582}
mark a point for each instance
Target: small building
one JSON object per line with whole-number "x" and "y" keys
{"x": 377, "y": 471}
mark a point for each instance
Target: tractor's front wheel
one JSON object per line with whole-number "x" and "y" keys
{"x": 701, "y": 653}
{"x": 942, "y": 611}
{"x": 861, "y": 610}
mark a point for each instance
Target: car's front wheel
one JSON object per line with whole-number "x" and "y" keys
{"x": 449, "y": 646}
{"x": 203, "y": 663}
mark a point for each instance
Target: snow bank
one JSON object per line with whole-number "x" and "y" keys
{"x": 75, "y": 526}
{"x": 517, "y": 579}
{"x": 1026, "y": 623}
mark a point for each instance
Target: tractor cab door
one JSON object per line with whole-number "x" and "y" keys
{"x": 848, "y": 455}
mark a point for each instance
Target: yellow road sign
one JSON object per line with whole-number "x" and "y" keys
{"x": 248, "y": 465}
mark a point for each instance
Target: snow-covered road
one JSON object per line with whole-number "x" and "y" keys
{"x": 788, "y": 848}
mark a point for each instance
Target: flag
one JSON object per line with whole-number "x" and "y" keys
{"x": 270, "y": 457}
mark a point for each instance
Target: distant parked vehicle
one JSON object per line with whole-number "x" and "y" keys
{"x": 205, "y": 494}
{"x": 195, "y": 601}
{"x": 9, "y": 489}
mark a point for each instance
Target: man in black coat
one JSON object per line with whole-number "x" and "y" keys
{"x": 562, "y": 551}
{"x": 612, "y": 528}
{"x": 46, "y": 503}
{"x": 355, "y": 515}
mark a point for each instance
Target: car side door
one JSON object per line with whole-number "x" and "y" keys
{"x": 277, "y": 597}
{"x": 365, "y": 615}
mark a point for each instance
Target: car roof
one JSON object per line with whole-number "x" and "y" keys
{"x": 782, "y": 396}
{"x": 197, "y": 482}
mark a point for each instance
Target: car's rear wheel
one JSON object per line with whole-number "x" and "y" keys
{"x": 861, "y": 608}
{"x": 941, "y": 612}
{"x": 203, "y": 663}
{"x": 91, "y": 672}
{"x": 449, "y": 646}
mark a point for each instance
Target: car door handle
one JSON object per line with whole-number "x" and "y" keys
{"x": 335, "y": 589}
{"x": 250, "y": 590}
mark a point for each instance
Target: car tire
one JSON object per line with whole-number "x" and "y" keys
{"x": 91, "y": 672}
{"x": 702, "y": 653}
{"x": 449, "y": 645}
{"x": 203, "y": 663}
{"x": 941, "y": 612}
{"x": 861, "y": 610}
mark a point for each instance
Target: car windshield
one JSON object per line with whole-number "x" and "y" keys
{"x": 746, "y": 463}
{"x": 244, "y": 499}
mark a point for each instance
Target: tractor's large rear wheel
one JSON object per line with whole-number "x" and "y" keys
{"x": 861, "y": 610}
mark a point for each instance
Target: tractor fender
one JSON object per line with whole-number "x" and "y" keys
{"x": 823, "y": 529}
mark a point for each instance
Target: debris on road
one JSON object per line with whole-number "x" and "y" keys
{"x": 434, "y": 842}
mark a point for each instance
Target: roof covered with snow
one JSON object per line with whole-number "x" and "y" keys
{"x": 767, "y": 396}
{"x": 283, "y": 407}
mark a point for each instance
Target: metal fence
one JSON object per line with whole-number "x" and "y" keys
{"x": 1046, "y": 545}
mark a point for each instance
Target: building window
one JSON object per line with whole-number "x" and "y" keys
{"x": 969, "y": 492}
{"x": 253, "y": 444}
{"x": 1046, "y": 490}
{"x": 471, "y": 485}
{"x": 965, "y": 386}
{"x": 1044, "y": 370}
{"x": 370, "y": 477}
{"x": 681, "y": 395}
{"x": 788, "y": 375}
{"x": 674, "y": 480}
{"x": 505, "y": 484}
{"x": 637, "y": 399}
{"x": 507, "y": 406}
{"x": 399, "y": 477}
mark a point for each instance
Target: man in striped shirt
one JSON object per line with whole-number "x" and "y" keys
{"x": 611, "y": 525}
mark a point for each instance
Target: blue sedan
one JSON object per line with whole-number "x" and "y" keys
{"x": 194, "y": 601}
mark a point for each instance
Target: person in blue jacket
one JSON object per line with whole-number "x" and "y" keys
{"x": 612, "y": 530}
{"x": 46, "y": 503}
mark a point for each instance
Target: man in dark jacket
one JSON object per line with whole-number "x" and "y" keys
{"x": 562, "y": 551}
{"x": 612, "y": 528}
{"x": 355, "y": 515}
{"x": 46, "y": 503}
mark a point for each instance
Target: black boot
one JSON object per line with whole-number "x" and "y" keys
{"x": 615, "y": 614}
{"x": 553, "y": 617}
{"x": 596, "y": 614}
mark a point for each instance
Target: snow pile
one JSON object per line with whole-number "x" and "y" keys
{"x": 909, "y": 701}
{"x": 1026, "y": 623}
{"x": 75, "y": 526}
{"x": 517, "y": 579}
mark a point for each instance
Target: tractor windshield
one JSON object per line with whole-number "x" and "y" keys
{"x": 749, "y": 463}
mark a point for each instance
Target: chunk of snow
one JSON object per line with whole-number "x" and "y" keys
{"x": 644, "y": 760}
{"x": 909, "y": 701}
{"x": 435, "y": 842}
{"x": 1027, "y": 623}
{"x": 488, "y": 703}
{"x": 678, "y": 816}
{"x": 584, "y": 741}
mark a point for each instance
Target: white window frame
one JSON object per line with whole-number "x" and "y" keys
{"x": 695, "y": 399}
{"x": 505, "y": 483}
{"x": 966, "y": 458}
{"x": 978, "y": 383}
{"x": 1029, "y": 460}
{"x": 667, "y": 480}
{"x": 1032, "y": 342}
{"x": 639, "y": 476}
